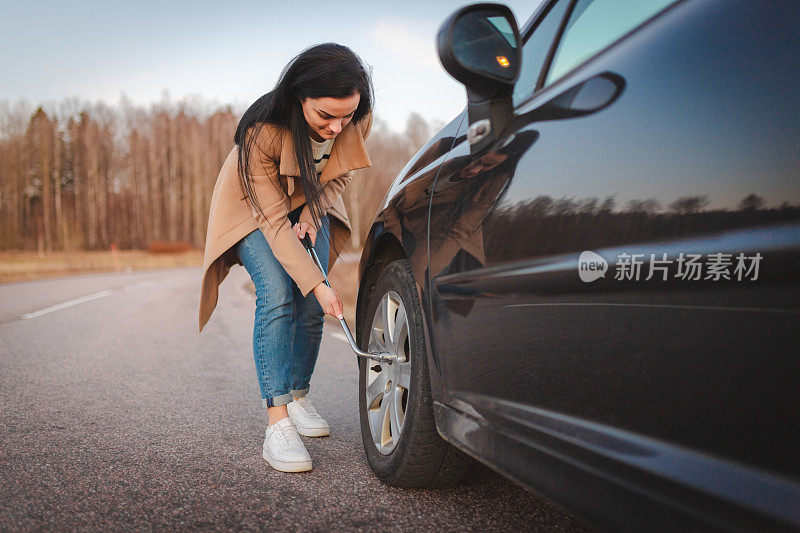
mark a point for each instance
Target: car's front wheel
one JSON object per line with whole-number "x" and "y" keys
{"x": 397, "y": 424}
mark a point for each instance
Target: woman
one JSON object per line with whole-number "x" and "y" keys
{"x": 294, "y": 150}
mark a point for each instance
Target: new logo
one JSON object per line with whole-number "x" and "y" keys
{"x": 591, "y": 266}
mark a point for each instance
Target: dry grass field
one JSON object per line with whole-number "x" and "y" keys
{"x": 29, "y": 265}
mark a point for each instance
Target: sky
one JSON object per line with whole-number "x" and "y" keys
{"x": 223, "y": 52}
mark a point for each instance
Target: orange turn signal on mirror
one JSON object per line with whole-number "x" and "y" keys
{"x": 503, "y": 61}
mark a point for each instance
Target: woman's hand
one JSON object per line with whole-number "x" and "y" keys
{"x": 302, "y": 227}
{"x": 329, "y": 300}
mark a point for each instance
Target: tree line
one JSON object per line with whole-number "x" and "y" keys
{"x": 75, "y": 176}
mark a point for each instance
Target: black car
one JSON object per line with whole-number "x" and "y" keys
{"x": 590, "y": 276}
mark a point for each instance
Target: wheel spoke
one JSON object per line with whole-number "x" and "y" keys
{"x": 376, "y": 334}
{"x": 401, "y": 414}
{"x": 385, "y": 304}
{"x": 393, "y": 416}
{"x": 375, "y": 425}
{"x": 404, "y": 375}
{"x": 399, "y": 331}
{"x": 376, "y": 388}
{"x": 381, "y": 419}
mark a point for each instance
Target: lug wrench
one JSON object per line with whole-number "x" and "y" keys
{"x": 382, "y": 357}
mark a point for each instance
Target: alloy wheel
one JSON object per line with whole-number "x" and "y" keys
{"x": 387, "y": 390}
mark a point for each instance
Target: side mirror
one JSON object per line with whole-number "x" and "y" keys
{"x": 479, "y": 45}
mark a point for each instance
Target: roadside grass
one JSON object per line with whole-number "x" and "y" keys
{"x": 30, "y": 265}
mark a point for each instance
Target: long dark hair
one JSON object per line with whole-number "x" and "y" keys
{"x": 324, "y": 70}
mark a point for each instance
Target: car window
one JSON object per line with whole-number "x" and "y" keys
{"x": 594, "y": 24}
{"x": 535, "y": 49}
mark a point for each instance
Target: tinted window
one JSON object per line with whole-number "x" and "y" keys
{"x": 535, "y": 50}
{"x": 594, "y": 24}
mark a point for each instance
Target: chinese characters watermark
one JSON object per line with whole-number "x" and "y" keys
{"x": 686, "y": 267}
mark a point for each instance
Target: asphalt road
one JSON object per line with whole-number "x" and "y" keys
{"x": 116, "y": 414}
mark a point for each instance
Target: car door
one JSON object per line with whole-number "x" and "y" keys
{"x": 619, "y": 270}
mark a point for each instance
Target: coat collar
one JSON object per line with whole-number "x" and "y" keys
{"x": 347, "y": 153}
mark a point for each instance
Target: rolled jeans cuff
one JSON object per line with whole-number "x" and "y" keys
{"x": 275, "y": 401}
{"x": 299, "y": 393}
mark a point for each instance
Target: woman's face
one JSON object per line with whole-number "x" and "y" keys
{"x": 327, "y": 116}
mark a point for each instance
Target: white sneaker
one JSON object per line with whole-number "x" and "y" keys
{"x": 283, "y": 448}
{"x": 307, "y": 419}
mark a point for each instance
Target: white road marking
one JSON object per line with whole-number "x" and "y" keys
{"x": 340, "y": 336}
{"x": 101, "y": 294}
{"x": 69, "y": 303}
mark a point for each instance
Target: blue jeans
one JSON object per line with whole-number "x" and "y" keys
{"x": 288, "y": 327}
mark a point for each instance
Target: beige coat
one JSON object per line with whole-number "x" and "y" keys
{"x": 273, "y": 163}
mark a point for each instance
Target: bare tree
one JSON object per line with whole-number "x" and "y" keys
{"x": 689, "y": 204}
{"x": 80, "y": 176}
{"x": 751, "y": 202}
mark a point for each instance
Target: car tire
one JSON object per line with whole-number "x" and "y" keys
{"x": 396, "y": 398}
